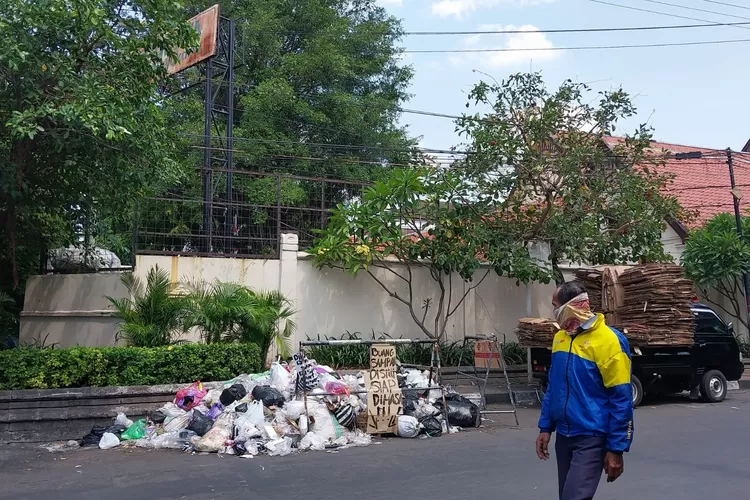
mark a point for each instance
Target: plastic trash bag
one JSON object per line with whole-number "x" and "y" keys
{"x": 253, "y": 416}
{"x": 324, "y": 424}
{"x": 424, "y": 409}
{"x": 108, "y": 441}
{"x": 157, "y": 417}
{"x": 303, "y": 425}
{"x": 279, "y": 447}
{"x": 312, "y": 441}
{"x": 241, "y": 408}
{"x": 345, "y": 415}
{"x": 294, "y": 409}
{"x": 200, "y": 423}
{"x": 411, "y": 400}
{"x": 216, "y": 438}
{"x": 123, "y": 420}
{"x": 408, "y": 427}
{"x": 307, "y": 377}
{"x": 281, "y": 379}
{"x": 135, "y": 431}
{"x": 431, "y": 426}
{"x": 268, "y": 395}
{"x": 216, "y": 410}
{"x": 337, "y": 388}
{"x": 179, "y": 423}
{"x": 234, "y": 393}
{"x": 168, "y": 441}
{"x": 92, "y": 438}
{"x": 462, "y": 414}
{"x": 190, "y": 397}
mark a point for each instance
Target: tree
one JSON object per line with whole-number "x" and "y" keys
{"x": 318, "y": 88}
{"x": 418, "y": 223}
{"x": 715, "y": 258}
{"x": 543, "y": 156}
{"x": 81, "y": 125}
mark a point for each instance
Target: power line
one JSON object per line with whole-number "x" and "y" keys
{"x": 590, "y": 47}
{"x": 727, "y": 4}
{"x": 695, "y": 9}
{"x": 660, "y": 13}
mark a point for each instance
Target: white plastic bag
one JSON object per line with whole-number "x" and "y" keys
{"x": 294, "y": 409}
{"x": 303, "y": 425}
{"x": 281, "y": 379}
{"x": 253, "y": 416}
{"x": 280, "y": 447}
{"x": 108, "y": 441}
{"x": 408, "y": 427}
{"x": 325, "y": 425}
{"x": 424, "y": 409}
{"x": 123, "y": 420}
{"x": 312, "y": 441}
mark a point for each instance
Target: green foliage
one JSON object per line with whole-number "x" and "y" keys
{"x": 82, "y": 135}
{"x": 358, "y": 356}
{"x": 152, "y": 316}
{"x": 542, "y": 155}
{"x": 27, "y": 368}
{"x": 451, "y": 233}
{"x": 716, "y": 258}
{"x": 229, "y": 312}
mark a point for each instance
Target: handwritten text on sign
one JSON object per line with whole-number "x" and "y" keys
{"x": 384, "y": 398}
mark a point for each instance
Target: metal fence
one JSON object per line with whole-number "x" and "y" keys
{"x": 263, "y": 206}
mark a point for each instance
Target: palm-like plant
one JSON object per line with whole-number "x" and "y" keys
{"x": 152, "y": 315}
{"x": 230, "y": 312}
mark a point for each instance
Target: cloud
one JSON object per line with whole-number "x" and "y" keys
{"x": 522, "y": 47}
{"x": 457, "y": 8}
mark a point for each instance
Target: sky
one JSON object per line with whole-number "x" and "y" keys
{"x": 692, "y": 95}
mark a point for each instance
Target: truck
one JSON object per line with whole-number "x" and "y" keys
{"x": 709, "y": 364}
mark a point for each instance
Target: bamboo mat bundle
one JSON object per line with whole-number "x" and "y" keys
{"x": 591, "y": 279}
{"x": 655, "y": 305}
{"x": 536, "y": 332}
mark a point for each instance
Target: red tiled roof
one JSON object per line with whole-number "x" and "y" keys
{"x": 701, "y": 185}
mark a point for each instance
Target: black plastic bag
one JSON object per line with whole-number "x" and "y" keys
{"x": 239, "y": 448}
{"x": 461, "y": 414}
{"x": 241, "y": 408}
{"x": 116, "y": 429}
{"x": 432, "y": 426}
{"x": 454, "y": 396}
{"x": 93, "y": 437}
{"x": 157, "y": 417}
{"x": 410, "y": 402}
{"x": 268, "y": 395}
{"x": 232, "y": 394}
{"x": 200, "y": 423}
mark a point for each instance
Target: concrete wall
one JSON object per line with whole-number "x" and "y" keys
{"x": 329, "y": 302}
{"x": 71, "y": 309}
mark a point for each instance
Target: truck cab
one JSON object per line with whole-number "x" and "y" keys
{"x": 707, "y": 365}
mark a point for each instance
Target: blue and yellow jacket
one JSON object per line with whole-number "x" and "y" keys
{"x": 589, "y": 392}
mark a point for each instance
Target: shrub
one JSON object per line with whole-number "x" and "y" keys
{"x": 152, "y": 316}
{"x": 357, "y": 355}
{"x": 29, "y": 368}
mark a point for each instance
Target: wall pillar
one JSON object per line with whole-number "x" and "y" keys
{"x": 288, "y": 280}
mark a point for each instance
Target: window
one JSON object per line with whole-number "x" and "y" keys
{"x": 708, "y": 322}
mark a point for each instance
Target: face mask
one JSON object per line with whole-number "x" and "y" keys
{"x": 573, "y": 313}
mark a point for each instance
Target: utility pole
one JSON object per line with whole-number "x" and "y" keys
{"x": 736, "y": 195}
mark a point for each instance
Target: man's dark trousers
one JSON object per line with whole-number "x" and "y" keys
{"x": 580, "y": 462}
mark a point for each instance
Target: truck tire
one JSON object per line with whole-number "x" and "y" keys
{"x": 637, "y": 389}
{"x": 713, "y": 386}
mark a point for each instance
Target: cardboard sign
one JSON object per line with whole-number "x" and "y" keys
{"x": 384, "y": 398}
{"x": 482, "y": 349}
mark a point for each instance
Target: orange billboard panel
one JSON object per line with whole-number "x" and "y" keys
{"x": 207, "y": 24}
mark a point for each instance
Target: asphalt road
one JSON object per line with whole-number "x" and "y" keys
{"x": 682, "y": 450}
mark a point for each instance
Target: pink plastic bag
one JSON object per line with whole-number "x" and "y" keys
{"x": 338, "y": 388}
{"x": 190, "y": 397}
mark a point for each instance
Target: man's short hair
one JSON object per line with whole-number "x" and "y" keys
{"x": 568, "y": 291}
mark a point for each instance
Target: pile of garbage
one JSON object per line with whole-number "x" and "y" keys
{"x": 267, "y": 413}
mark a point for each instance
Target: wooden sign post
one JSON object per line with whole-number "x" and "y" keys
{"x": 384, "y": 398}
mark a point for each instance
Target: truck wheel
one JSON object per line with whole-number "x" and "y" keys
{"x": 713, "y": 386}
{"x": 637, "y": 389}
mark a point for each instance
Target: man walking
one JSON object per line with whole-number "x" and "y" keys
{"x": 588, "y": 401}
